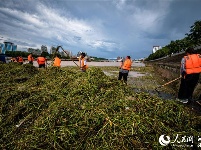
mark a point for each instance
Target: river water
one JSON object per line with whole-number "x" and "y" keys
{"x": 75, "y": 63}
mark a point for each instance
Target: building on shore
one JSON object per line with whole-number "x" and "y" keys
{"x": 34, "y": 51}
{"x": 43, "y": 48}
{"x": 2, "y": 48}
{"x": 156, "y": 48}
{"x": 14, "y": 47}
{"x": 7, "y": 46}
{"x": 52, "y": 49}
{"x": 67, "y": 53}
{"x": 63, "y": 53}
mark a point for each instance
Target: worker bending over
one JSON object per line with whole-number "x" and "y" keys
{"x": 41, "y": 62}
{"x": 13, "y": 59}
{"x": 20, "y": 60}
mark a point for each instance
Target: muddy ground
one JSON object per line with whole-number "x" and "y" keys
{"x": 144, "y": 79}
{"x": 147, "y": 79}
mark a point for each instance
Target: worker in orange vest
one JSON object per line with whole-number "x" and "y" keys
{"x": 20, "y": 60}
{"x": 190, "y": 71}
{"x": 124, "y": 69}
{"x": 57, "y": 62}
{"x": 41, "y": 62}
{"x": 13, "y": 59}
{"x": 30, "y": 58}
{"x": 83, "y": 64}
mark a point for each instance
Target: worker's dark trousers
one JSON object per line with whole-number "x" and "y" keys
{"x": 124, "y": 75}
{"x": 187, "y": 86}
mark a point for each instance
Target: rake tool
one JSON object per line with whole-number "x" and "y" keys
{"x": 166, "y": 84}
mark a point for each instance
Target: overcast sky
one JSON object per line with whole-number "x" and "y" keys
{"x": 102, "y": 28}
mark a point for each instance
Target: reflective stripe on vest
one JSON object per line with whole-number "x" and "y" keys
{"x": 193, "y": 63}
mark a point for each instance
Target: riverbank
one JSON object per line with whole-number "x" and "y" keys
{"x": 144, "y": 79}
{"x": 75, "y": 63}
{"x": 171, "y": 70}
{"x": 69, "y": 109}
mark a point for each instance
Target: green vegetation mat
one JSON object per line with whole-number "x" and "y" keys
{"x": 69, "y": 109}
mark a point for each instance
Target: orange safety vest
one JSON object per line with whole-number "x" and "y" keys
{"x": 193, "y": 63}
{"x": 41, "y": 60}
{"x": 127, "y": 64}
{"x": 84, "y": 67}
{"x": 30, "y": 58}
{"x": 20, "y": 59}
{"x": 57, "y": 62}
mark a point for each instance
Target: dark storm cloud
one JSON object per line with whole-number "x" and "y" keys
{"x": 103, "y": 28}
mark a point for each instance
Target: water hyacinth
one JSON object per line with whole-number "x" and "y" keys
{"x": 68, "y": 109}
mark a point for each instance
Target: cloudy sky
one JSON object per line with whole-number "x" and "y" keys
{"x": 102, "y": 28}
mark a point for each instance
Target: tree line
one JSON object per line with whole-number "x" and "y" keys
{"x": 192, "y": 39}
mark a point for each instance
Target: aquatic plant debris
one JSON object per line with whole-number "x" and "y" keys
{"x": 68, "y": 109}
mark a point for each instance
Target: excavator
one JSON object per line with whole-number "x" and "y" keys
{"x": 57, "y": 49}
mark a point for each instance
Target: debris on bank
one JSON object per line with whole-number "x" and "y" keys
{"x": 69, "y": 109}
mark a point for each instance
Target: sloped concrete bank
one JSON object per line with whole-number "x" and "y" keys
{"x": 169, "y": 70}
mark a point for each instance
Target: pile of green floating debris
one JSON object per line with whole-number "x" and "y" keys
{"x": 69, "y": 109}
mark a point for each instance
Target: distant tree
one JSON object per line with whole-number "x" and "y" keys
{"x": 45, "y": 54}
{"x": 192, "y": 39}
{"x": 16, "y": 53}
{"x": 195, "y": 33}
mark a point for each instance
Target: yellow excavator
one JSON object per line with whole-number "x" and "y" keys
{"x": 57, "y": 49}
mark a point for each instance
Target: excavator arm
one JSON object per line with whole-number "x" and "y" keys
{"x": 57, "y": 49}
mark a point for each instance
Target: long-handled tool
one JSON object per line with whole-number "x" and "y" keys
{"x": 57, "y": 49}
{"x": 67, "y": 54}
{"x": 167, "y": 83}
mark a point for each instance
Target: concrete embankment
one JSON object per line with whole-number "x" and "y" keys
{"x": 169, "y": 69}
